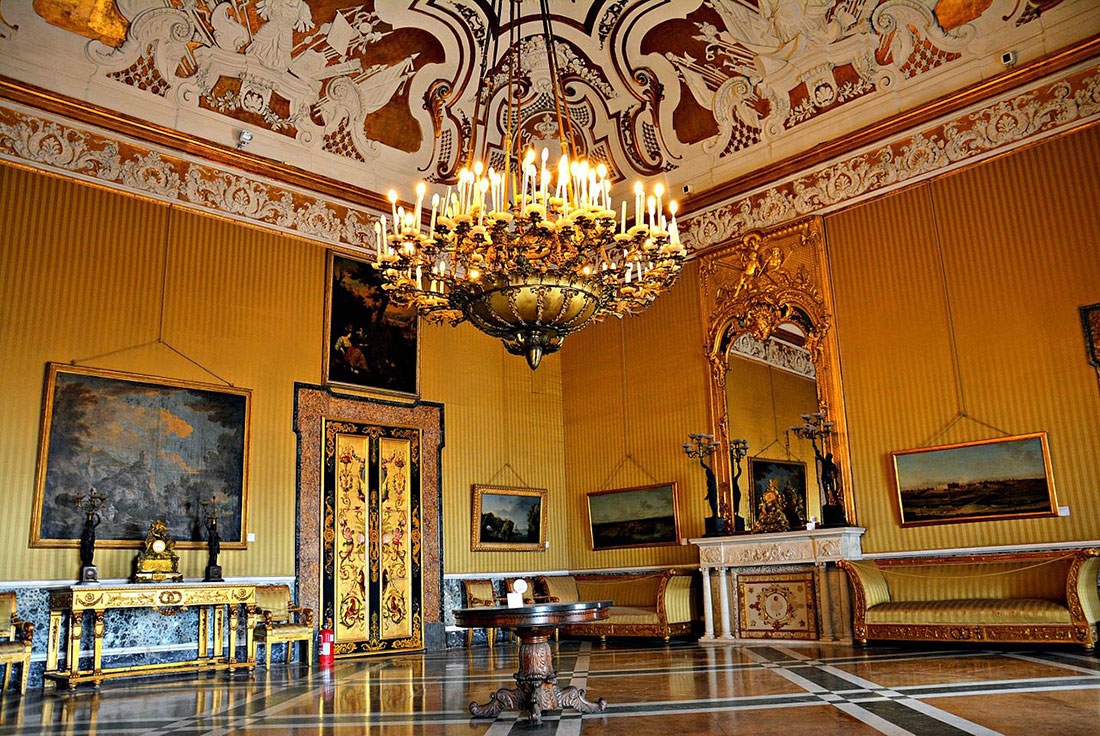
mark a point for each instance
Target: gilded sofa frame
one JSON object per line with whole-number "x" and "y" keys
{"x": 662, "y": 628}
{"x": 1079, "y": 631}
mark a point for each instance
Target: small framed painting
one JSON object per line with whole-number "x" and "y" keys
{"x": 789, "y": 479}
{"x": 987, "y": 480}
{"x": 370, "y": 343}
{"x": 508, "y": 519}
{"x": 156, "y": 448}
{"x": 634, "y": 517}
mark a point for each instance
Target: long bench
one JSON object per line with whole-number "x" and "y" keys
{"x": 1040, "y": 597}
{"x": 660, "y": 604}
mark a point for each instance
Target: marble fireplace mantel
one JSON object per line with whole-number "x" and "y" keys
{"x": 781, "y": 548}
{"x": 819, "y": 548}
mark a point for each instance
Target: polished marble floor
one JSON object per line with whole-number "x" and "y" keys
{"x": 658, "y": 690}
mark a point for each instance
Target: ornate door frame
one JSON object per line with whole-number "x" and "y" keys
{"x": 312, "y": 403}
{"x": 753, "y": 285}
{"x": 371, "y": 571}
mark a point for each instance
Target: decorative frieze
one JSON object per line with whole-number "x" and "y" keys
{"x": 36, "y": 139}
{"x": 1044, "y": 109}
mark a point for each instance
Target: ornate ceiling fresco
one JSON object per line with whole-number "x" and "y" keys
{"x": 379, "y": 92}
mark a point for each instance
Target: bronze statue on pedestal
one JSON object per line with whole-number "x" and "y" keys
{"x": 90, "y": 505}
{"x": 214, "y": 541}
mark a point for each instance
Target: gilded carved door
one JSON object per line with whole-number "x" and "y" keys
{"x": 370, "y": 550}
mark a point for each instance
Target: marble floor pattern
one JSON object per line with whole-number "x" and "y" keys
{"x": 656, "y": 690}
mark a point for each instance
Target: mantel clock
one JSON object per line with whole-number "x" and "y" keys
{"x": 158, "y": 560}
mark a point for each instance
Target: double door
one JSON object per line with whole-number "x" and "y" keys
{"x": 371, "y": 537}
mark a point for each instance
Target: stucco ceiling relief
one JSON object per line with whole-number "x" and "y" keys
{"x": 377, "y": 92}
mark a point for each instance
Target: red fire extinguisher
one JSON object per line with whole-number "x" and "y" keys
{"x": 328, "y": 638}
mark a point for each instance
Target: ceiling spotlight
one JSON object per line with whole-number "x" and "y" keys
{"x": 244, "y": 137}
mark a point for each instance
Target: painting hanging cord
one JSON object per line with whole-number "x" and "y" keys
{"x": 159, "y": 340}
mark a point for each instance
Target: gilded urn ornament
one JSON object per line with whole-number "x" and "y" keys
{"x": 158, "y": 560}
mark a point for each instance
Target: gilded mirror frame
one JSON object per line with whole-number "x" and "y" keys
{"x": 754, "y": 284}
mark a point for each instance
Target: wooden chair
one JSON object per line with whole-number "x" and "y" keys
{"x": 12, "y": 651}
{"x": 275, "y": 610}
{"x": 479, "y": 594}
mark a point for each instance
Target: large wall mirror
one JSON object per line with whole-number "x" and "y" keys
{"x": 773, "y": 361}
{"x": 770, "y": 385}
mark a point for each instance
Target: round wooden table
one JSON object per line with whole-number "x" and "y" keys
{"x": 536, "y": 682}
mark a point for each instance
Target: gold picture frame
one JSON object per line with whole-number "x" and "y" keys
{"x": 334, "y": 369}
{"x": 502, "y": 503}
{"x": 613, "y": 531}
{"x": 932, "y": 489}
{"x": 142, "y": 397}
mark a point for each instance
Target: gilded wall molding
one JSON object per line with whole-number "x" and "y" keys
{"x": 1053, "y": 106}
{"x": 41, "y": 141}
{"x": 752, "y": 285}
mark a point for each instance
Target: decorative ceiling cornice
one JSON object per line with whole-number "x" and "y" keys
{"x": 41, "y": 141}
{"x": 946, "y": 105}
{"x": 346, "y": 96}
{"x": 1052, "y": 106}
{"x": 640, "y": 88}
{"x": 173, "y": 140}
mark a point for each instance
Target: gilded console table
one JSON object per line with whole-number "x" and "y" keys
{"x": 211, "y": 599}
{"x": 823, "y": 592}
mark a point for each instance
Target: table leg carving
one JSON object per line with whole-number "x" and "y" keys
{"x": 234, "y": 620}
{"x": 54, "y": 642}
{"x": 76, "y": 631}
{"x": 97, "y": 650}
{"x": 204, "y": 632}
{"x": 573, "y": 697}
{"x": 506, "y": 698}
{"x": 219, "y": 631}
{"x": 537, "y": 687}
{"x": 250, "y": 635}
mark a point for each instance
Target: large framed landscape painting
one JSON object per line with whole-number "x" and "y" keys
{"x": 1005, "y": 478}
{"x": 508, "y": 519}
{"x": 634, "y": 517}
{"x": 154, "y": 447}
{"x": 370, "y": 343}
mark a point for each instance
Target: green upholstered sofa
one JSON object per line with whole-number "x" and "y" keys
{"x": 661, "y": 604}
{"x": 1044, "y": 597}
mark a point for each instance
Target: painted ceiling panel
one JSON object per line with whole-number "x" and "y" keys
{"x": 378, "y": 92}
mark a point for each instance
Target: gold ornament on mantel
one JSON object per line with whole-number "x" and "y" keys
{"x": 158, "y": 560}
{"x": 525, "y": 256}
{"x": 770, "y": 516}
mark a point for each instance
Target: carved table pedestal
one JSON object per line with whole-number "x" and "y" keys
{"x": 537, "y": 688}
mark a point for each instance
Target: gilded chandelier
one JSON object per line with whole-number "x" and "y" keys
{"x": 532, "y": 253}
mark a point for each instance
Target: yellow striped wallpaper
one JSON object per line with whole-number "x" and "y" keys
{"x": 633, "y": 390}
{"x": 80, "y": 275}
{"x": 1020, "y": 250}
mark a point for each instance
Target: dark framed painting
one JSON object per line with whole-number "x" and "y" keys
{"x": 789, "y": 479}
{"x": 987, "y": 480}
{"x": 645, "y": 516}
{"x": 507, "y": 518}
{"x": 1090, "y": 323}
{"x": 154, "y": 447}
{"x": 371, "y": 344}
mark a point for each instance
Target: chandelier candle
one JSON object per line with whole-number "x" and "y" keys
{"x": 527, "y": 267}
